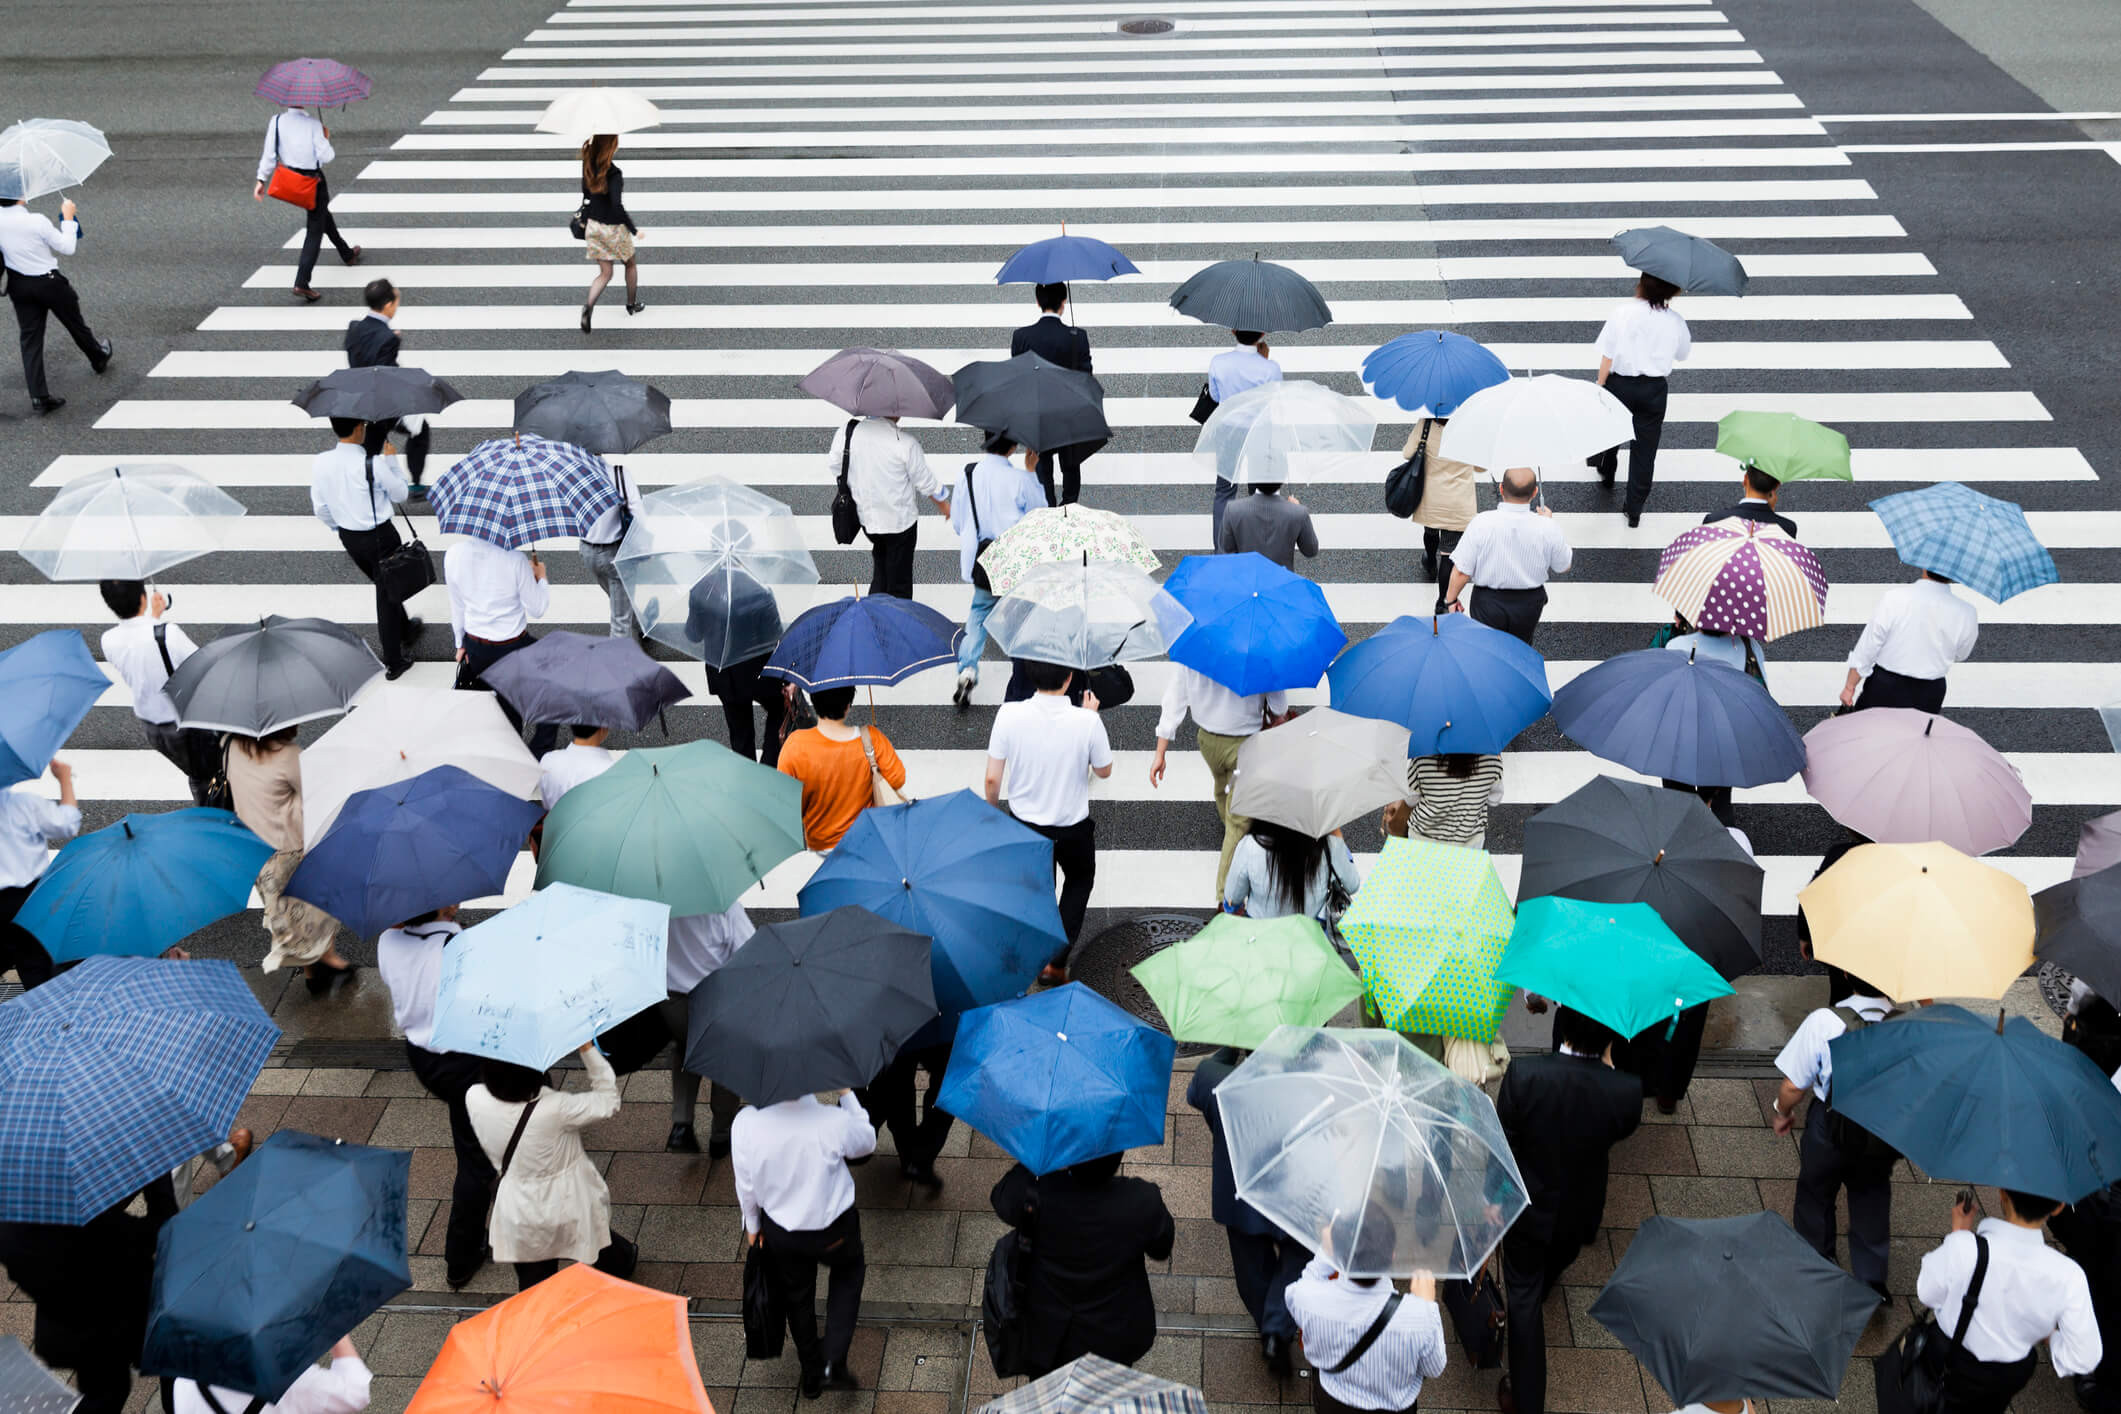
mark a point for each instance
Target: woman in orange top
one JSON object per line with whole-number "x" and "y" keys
{"x": 828, "y": 759}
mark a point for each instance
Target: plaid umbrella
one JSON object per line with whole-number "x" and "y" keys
{"x": 1756, "y": 581}
{"x": 313, "y": 83}
{"x": 1054, "y": 535}
{"x": 515, "y": 491}
{"x": 1095, "y": 1385}
{"x": 1429, "y": 926}
{"x": 1955, "y": 531}
{"x": 115, "y": 1072}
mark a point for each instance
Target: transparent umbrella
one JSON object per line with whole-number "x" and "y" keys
{"x": 129, "y": 522}
{"x": 1087, "y": 615}
{"x": 1263, "y": 433}
{"x": 698, "y": 562}
{"x": 43, "y": 155}
{"x": 1362, "y": 1148}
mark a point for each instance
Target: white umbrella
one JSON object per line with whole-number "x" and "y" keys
{"x": 397, "y": 733}
{"x": 43, "y": 155}
{"x": 1253, "y": 436}
{"x": 1320, "y": 771}
{"x": 1086, "y": 616}
{"x": 1549, "y": 420}
{"x": 582, "y": 113}
{"x": 129, "y": 522}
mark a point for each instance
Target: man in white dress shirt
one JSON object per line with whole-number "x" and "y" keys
{"x": 29, "y": 826}
{"x": 1914, "y": 636}
{"x": 298, "y": 139}
{"x": 888, "y": 473}
{"x": 1231, "y": 372}
{"x": 493, "y": 596}
{"x": 1507, "y": 554}
{"x": 1335, "y": 1312}
{"x": 583, "y": 758}
{"x": 1048, "y": 750}
{"x": 338, "y": 1388}
{"x": 354, "y": 494}
{"x": 790, "y": 1165}
{"x": 144, "y": 648}
{"x": 1224, "y": 722}
{"x": 30, "y": 247}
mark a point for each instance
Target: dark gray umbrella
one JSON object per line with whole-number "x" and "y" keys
{"x": 811, "y": 1004}
{"x": 375, "y": 393}
{"x": 572, "y": 677}
{"x": 2078, "y": 928}
{"x": 283, "y": 672}
{"x": 1734, "y": 1308}
{"x": 1032, "y": 402}
{"x": 880, "y": 383}
{"x": 1697, "y": 266}
{"x": 603, "y": 412}
{"x": 1252, "y": 294}
{"x": 1615, "y": 841}
{"x": 26, "y": 1387}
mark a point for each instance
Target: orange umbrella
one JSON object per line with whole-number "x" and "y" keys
{"x": 580, "y": 1340}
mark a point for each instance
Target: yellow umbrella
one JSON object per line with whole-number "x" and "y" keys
{"x": 1921, "y": 920}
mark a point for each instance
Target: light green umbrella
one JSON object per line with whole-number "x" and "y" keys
{"x": 692, "y": 826}
{"x": 1237, "y": 979}
{"x": 1615, "y": 962}
{"x": 1785, "y": 446}
{"x": 1430, "y": 924}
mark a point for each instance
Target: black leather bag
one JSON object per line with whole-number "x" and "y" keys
{"x": 1002, "y": 1299}
{"x": 1203, "y": 406}
{"x": 765, "y": 1326}
{"x": 846, "y": 519}
{"x": 1479, "y": 1316}
{"x": 578, "y": 224}
{"x": 1406, "y": 483}
{"x": 979, "y": 571}
{"x": 408, "y": 569}
{"x": 205, "y": 753}
{"x": 1911, "y": 1371}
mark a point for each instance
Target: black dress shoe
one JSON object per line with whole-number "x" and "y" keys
{"x": 813, "y": 1383}
{"x": 1276, "y": 1350}
{"x": 1505, "y": 1397}
{"x": 413, "y": 629}
{"x": 322, "y": 979}
{"x": 718, "y": 1145}
{"x": 109, "y": 352}
{"x": 681, "y": 1141}
{"x": 460, "y": 1277}
{"x": 416, "y": 491}
{"x": 840, "y": 1377}
{"x": 307, "y": 295}
{"x": 393, "y": 671}
{"x": 352, "y": 257}
{"x": 1634, "y": 519}
{"x": 52, "y": 404}
{"x": 922, "y": 1175}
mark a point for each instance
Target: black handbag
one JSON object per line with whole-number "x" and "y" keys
{"x": 1203, "y": 406}
{"x": 846, "y": 517}
{"x": 1406, "y": 483}
{"x": 979, "y": 571}
{"x": 1911, "y": 1371}
{"x": 765, "y": 1326}
{"x": 1479, "y": 1315}
{"x": 408, "y": 569}
{"x": 578, "y": 224}
{"x": 1002, "y": 1299}
{"x": 205, "y": 753}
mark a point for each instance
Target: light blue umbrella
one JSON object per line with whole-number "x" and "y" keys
{"x": 1983, "y": 543}
{"x": 135, "y": 888}
{"x": 534, "y": 982}
{"x": 47, "y": 685}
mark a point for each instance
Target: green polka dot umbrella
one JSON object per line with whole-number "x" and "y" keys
{"x": 1429, "y": 926}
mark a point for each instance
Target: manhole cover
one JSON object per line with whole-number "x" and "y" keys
{"x": 1101, "y": 963}
{"x": 1147, "y": 25}
{"x": 2054, "y": 986}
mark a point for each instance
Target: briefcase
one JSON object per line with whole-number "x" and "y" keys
{"x": 765, "y": 1328}
{"x": 406, "y": 570}
{"x": 1479, "y": 1316}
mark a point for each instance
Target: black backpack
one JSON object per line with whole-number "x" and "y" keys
{"x": 1860, "y": 1147}
{"x": 1002, "y": 1297}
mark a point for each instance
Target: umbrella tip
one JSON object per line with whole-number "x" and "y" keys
{"x": 127, "y": 826}
{"x": 1659, "y": 859}
{"x": 1929, "y": 726}
{"x": 1999, "y": 1021}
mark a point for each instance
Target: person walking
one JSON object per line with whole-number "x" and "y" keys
{"x": 893, "y": 1101}
{"x": 1224, "y": 721}
{"x": 265, "y": 782}
{"x": 1640, "y": 342}
{"x": 1231, "y": 372}
{"x": 887, "y": 473}
{"x": 29, "y": 826}
{"x": 92, "y": 1286}
{"x": 1057, "y": 342}
{"x": 1508, "y": 554}
{"x": 1091, "y": 1235}
{"x": 599, "y": 548}
{"x": 298, "y": 140}
{"x": 1449, "y": 502}
{"x": 354, "y": 494}
{"x": 1048, "y": 749}
{"x": 1370, "y": 1348}
{"x": 992, "y": 494}
{"x": 30, "y": 247}
{"x": 583, "y": 758}
{"x": 372, "y": 342}
{"x": 1268, "y": 523}
{"x": 1264, "y": 1260}
{"x": 1276, "y": 872}
{"x": 144, "y": 649}
{"x": 836, "y": 763}
{"x": 607, "y": 231}
{"x": 493, "y": 596}
{"x": 1759, "y": 494}
{"x": 342, "y": 1387}
{"x": 789, "y": 1162}
{"x": 1910, "y": 642}
{"x": 1448, "y": 798}
{"x": 2089, "y": 1230}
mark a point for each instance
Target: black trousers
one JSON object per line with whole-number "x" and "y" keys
{"x": 1645, "y": 398}
{"x": 737, "y": 687}
{"x": 320, "y": 223}
{"x": 34, "y": 297}
{"x": 479, "y": 655}
{"x": 1075, "y": 861}
{"x": 416, "y": 444}
{"x": 1071, "y": 461}
{"x": 891, "y": 562}
{"x": 366, "y": 548}
{"x": 19, "y": 948}
{"x": 1886, "y": 688}
{"x": 889, "y": 1099}
{"x": 448, "y": 1077}
{"x": 187, "y": 749}
{"x": 1264, "y": 1267}
{"x": 618, "y": 1259}
{"x": 1438, "y": 545}
{"x": 1974, "y": 1386}
{"x": 1822, "y": 1172}
{"x": 101, "y": 1362}
{"x": 1530, "y": 1267}
{"x": 1665, "y": 1065}
{"x": 1323, "y": 1403}
{"x": 792, "y": 1260}
{"x": 1514, "y": 611}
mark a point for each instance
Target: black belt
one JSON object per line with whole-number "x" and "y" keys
{"x": 51, "y": 274}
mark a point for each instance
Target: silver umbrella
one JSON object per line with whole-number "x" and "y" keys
{"x": 1086, "y": 616}
{"x": 129, "y": 522}
{"x": 279, "y": 674}
{"x": 1320, "y": 771}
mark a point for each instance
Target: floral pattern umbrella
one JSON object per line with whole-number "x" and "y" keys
{"x": 1056, "y": 535}
{"x": 1757, "y": 581}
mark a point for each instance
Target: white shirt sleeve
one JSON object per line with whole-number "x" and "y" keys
{"x": 1940, "y": 1273}
{"x": 1963, "y": 645}
{"x": 1799, "y": 1060}
{"x": 322, "y": 144}
{"x": 62, "y": 237}
{"x": 1559, "y": 555}
{"x": 859, "y": 1141}
{"x": 339, "y": 1388}
{"x": 319, "y": 505}
{"x": 1176, "y": 702}
{"x": 1864, "y": 656}
{"x": 268, "y": 159}
{"x": 1100, "y": 743}
{"x": 1466, "y": 557}
{"x": 921, "y": 475}
{"x": 2075, "y": 1346}
{"x": 456, "y": 602}
{"x": 1685, "y": 345}
{"x": 741, "y": 1162}
{"x": 1608, "y": 345}
{"x": 389, "y": 480}
{"x": 537, "y": 593}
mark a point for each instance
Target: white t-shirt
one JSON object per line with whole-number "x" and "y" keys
{"x": 1644, "y": 342}
{"x": 1049, "y": 747}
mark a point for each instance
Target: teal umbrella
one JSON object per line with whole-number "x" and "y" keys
{"x": 1615, "y": 962}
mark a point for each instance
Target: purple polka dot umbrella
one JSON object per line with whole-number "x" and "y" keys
{"x": 1757, "y": 582}
{"x": 313, "y": 83}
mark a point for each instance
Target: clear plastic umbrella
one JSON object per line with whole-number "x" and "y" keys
{"x": 43, "y": 155}
{"x": 1362, "y": 1148}
{"x": 1258, "y": 435}
{"x": 129, "y": 522}
{"x": 1549, "y": 420}
{"x": 583, "y": 113}
{"x": 698, "y": 564}
{"x": 1086, "y": 616}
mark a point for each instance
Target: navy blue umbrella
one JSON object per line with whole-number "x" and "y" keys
{"x": 876, "y": 639}
{"x": 272, "y": 1265}
{"x": 1064, "y": 257}
{"x": 1666, "y": 715}
{"x": 574, "y": 677}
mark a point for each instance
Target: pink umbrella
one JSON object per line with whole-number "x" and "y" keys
{"x": 1757, "y": 581}
{"x": 1899, "y": 776}
{"x": 2098, "y": 845}
{"x": 313, "y": 83}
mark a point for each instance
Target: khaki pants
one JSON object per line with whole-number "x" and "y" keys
{"x": 300, "y": 932}
{"x": 1220, "y": 752}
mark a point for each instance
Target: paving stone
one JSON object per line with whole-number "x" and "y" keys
{"x": 1653, "y": 1149}
{"x": 285, "y": 1080}
{"x": 687, "y": 1234}
{"x": 878, "y": 1185}
{"x": 659, "y": 1276}
{"x": 1593, "y": 1265}
{"x": 657, "y": 1178}
{"x": 394, "y": 1085}
{"x": 336, "y": 1082}
{"x": 865, "y": 1354}
{"x": 1627, "y": 1200}
{"x": 433, "y": 1171}
{"x": 1594, "y": 1382}
{"x": 899, "y": 1401}
{"x": 1459, "y": 1386}
{"x": 260, "y": 1114}
{"x": 1172, "y": 1294}
{"x": 719, "y": 1347}
{"x": 985, "y": 1384}
{"x": 419, "y": 1215}
{"x": 1753, "y": 1151}
{"x": 1584, "y": 1329}
{"x": 1682, "y": 1197}
{"x": 1921, "y": 1210}
{"x": 910, "y": 1351}
{"x": 764, "y": 1399}
{"x": 405, "y": 1343}
{"x": 906, "y": 1238}
{"x": 976, "y": 1236}
{"x": 719, "y": 1281}
{"x": 1892, "y": 1318}
{"x": 969, "y": 1182}
{"x": 1195, "y": 1145}
{"x": 1202, "y": 1249}
{"x": 639, "y": 1128}
{"x": 413, "y": 1123}
{"x": 1185, "y": 1187}
{"x": 349, "y": 1117}
{"x": 1902, "y": 1261}
{"x": 1731, "y": 1102}
{"x": 387, "y": 1394}
{"x": 777, "y": 1373}
{"x": 431, "y": 1274}
{"x": 1233, "y": 1370}
{"x": 1683, "y": 1114}
{"x": 647, "y": 1086}
{"x": 946, "y": 1286}
{"x": 722, "y": 1398}
{"x": 1217, "y": 1296}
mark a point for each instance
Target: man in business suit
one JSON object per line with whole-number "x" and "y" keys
{"x": 1057, "y": 341}
{"x": 371, "y": 342}
{"x": 1263, "y": 1258}
{"x": 1761, "y": 493}
{"x": 1562, "y": 1113}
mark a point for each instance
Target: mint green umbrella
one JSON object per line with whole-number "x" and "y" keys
{"x": 1785, "y": 446}
{"x": 1429, "y": 924}
{"x": 1614, "y": 962}
{"x": 692, "y": 826}
{"x": 1237, "y": 979}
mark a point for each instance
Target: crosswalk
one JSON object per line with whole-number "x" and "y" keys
{"x": 835, "y": 172}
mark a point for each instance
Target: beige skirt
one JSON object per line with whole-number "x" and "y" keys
{"x": 300, "y": 932}
{"x": 608, "y": 242}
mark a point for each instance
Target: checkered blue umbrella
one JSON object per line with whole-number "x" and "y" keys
{"x": 1953, "y": 530}
{"x": 115, "y": 1072}
{"x": 515, "y": 491}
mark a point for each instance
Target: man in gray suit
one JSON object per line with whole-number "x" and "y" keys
{"x": 1270, "y": 523}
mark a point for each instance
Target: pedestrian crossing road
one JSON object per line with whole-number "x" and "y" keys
{"x": 834, "y": 172}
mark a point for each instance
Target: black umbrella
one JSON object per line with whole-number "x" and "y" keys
{"x": 603, "y": 412}
{"x": 1032, "y": 402}
{"x": 283, "y": 672}
{"x": 1734, "y": 1308}
{"x": 376, "y": 393}
{"x": 1615, "y": 841}
{"x": 573, "y": 677}
{"x": 812, "y": 1004}
{"x": 1697, "y": 266}
{"x": 1252, "y": 294}
{"x": 2078, "y": 928}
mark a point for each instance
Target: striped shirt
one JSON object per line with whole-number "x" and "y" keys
{"x": 1448, "y": 809}
{"x": 1333, "y": 1312}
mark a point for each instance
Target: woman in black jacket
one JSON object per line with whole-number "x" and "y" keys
{"x": 608, "y": 231}
{"x": 1086, "y": 1285}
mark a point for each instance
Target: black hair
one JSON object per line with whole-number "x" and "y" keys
{"x": 1940, "y": 578}
{"x": 1102, "y": 1169}
{"x": 1365, "y": 1239}
{"x": 1584, "y": 1033}
{"x": 1759, "y": 482}
{"x": 1654, "y": 290}
{"x": 123, "y": 596}
{"x": 1293, "y": 860}
{"x": 1248, "y": 336}
{"x": 583, "y": 731}
{"x": 1458, "y": 765}
{"x": 10, "y": 201}
{"x": 345, "y": 427}
{"x": 509, "y": 1083}
{"x": 1052, "y": 296}
{"x": 2031, "y": 1206}
{"x": 379, "y": 292}
{"x": 263, "y": 745}
{"x": 1266, "y": 488}
{"x": 833, "y": 702}
{"x": 1855, "y": 984}
{"x": 1047, "y": 677}
{"x": 421, "y": 922}
{"x": 998, "y": 444}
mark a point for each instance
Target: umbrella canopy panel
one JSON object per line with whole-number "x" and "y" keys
{"x": 129, "y": 522}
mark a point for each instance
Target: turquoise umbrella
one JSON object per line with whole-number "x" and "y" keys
{"x": 1615, "y": 962}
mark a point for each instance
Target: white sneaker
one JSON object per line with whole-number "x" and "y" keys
{"x": 967, "y": 679}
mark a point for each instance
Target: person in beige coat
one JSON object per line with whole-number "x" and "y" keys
{"x": 551, "y": 1203}
{"x": 265, "y": 777}
{"x": 1447, "y": 503}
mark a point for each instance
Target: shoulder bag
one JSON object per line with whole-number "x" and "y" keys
{"x": 846, "y": 517}
{"x": 980, "y": 541}
{"x": 1203, "y": 406}
{"x": 493, "y": 1190}
{"x": 881, "y": 791}
{"x": 1911, "y": 1371}
{"x": 765, "y": 1324}
{"x": 1002, "y": 1296}
{"x": 408, "y": 569}
{"x": 1405, "y": 483}
{"x": 1479, "y": 1316}
{"x": 206, "y": 757}
{"x": 1369, "y": 1337}
{"x": 578, "y": 224}
{"x": 287, "y": 184}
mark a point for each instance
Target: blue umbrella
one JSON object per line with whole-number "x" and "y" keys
{"x": 47, "y": 685}
{"x": 1431, "y": 371}
{"x": 873, "y": 638}
{"x": 1059, "y": 1077}
{"x": 979, "y": 884}
{"x": 534, "y": 982}
{"x": 1256, "y": 627}
{"x": 1453, "y": 682}
{"x": 134, "y": 888}
{"x": 273, "y": 1264}
{"x": 397, "y": 851}
{"x": 1974, "y": 1100}
{"x": 1063, "y": 257}
{"x": 1952, "y": 529}
{"x": 1666, "y": 715}
{"x": 116, "y": 1071}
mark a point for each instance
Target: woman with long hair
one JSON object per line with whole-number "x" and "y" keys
{"x": 608, "y": 231}
{"x": 1448, "y": 798}
{"x": 265, "y": 782}
{"x": 1276, "y": 872}
{"x": 1640, "y": 342}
